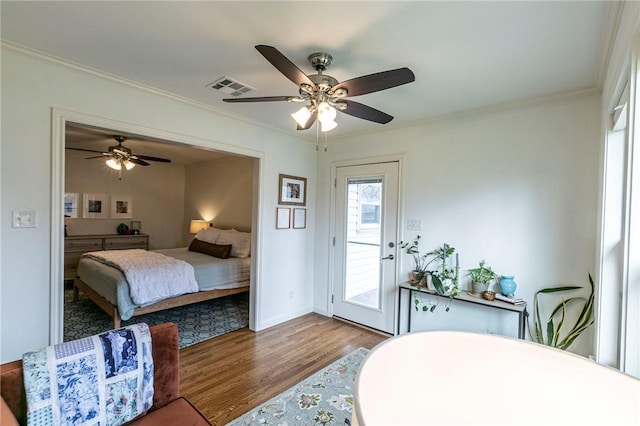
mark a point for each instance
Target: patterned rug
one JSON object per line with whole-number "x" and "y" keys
{"x": 325, "y": 398}
{"x": 196, "y": 323}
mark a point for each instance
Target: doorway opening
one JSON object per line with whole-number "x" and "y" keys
{"x": 202, "y": 149}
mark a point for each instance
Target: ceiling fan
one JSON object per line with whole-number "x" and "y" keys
{"x": 325, "y": 94}
{"x": 121, "y": 157}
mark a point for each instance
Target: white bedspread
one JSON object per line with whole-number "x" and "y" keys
{"x": 151, "y": 276}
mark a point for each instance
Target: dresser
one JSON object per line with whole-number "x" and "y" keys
{"x": 76, "y": 245}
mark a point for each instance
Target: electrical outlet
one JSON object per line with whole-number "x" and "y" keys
{"x": 23, "y": 218}
{"x": 414, "y": 225}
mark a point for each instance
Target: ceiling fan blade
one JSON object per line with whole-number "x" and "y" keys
{"x": 264, "y": 99}
{"x": 139, "y": 161}
{"x": 97, "y": 156}
{"x": 146, "y": 157}
{"x": 81, "y": 149}
{"x": 309, "y": 123}
{"x": 284, "y": 65}
{"x": 376, "y": 82}
{"x": 365, "y": 112}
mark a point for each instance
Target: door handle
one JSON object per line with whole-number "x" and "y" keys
{"x": 390, "y": 257}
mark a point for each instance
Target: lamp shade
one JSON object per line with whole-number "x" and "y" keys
{"x": 301, "y": 116}
{"x": 114, "y": 164}
{"x": 197, "y": 225}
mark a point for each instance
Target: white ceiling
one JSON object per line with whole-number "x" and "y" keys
{"x": 465, "y": 55}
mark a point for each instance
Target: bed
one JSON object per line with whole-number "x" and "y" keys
{"x": 108, "y": 287}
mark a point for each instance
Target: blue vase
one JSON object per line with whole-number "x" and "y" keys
{"x": 508, "y": 285}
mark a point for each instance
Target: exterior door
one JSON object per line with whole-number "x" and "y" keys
{"x": 366, "y": 226}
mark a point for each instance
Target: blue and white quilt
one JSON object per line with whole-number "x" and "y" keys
{"x": 105, "y": 380}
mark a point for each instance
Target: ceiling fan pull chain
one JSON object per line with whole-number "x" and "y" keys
{"x": 317, "y": 134}
{"x": 325, "y": 141}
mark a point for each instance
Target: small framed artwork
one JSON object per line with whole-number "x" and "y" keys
{"x": 299, "y": 218}
{"x": 71, "y": 205}
{"x": 292, "y": 190}
{"x": 283, "y": 218}
{"x": 121, "y": 207}
{"x": 95, "y": 206}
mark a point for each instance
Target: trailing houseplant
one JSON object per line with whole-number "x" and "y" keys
{"x": 444, "y": 279}
{"x": 421, "y": 261}
{"x": 553, "y": 333}
{"x": 481, "y": 277}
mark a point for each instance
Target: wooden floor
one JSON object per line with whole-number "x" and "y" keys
{"x": 229, "y": 375}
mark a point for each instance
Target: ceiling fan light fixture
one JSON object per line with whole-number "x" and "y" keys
{"x": 128, "y": 164}
{"x": 301, "y": 116}
{"x": 326, "y": 112}
{"x": 326, "y": 117}
{"x": 113, "y": 163}
{"x": 327, "y": 125}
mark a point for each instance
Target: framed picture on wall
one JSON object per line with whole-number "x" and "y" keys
{"x": 299, "y": 218}
{"x": 292, "y": 190}
{"x": 121, "y": 207}
{"x": 95, "y": 206}
{"x": 283, "y": 218}
{"x": 71, "y": 205}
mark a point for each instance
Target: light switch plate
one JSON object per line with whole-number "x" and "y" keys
{"x": 23, "y": 218}
{"x": 414, "y": 225}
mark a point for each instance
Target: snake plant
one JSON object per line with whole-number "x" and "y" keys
{"x": 555, "y": 336}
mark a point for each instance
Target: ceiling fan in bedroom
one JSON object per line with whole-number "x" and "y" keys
{"x": 120, "y": 157}
{"x": 324, "y": 95}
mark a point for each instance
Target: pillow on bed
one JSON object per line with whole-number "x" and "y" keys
{"x": 209, "y": 235}
{"x": 240, "y": 242}
{"x": 215, "y": 250}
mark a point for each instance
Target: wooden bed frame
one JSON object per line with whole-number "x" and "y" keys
{"x": 173, "y": 302}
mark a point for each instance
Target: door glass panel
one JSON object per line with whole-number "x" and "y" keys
{"x": 362, "y": 283}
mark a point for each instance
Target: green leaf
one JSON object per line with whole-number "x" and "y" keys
{"x": 550, "y": 331}
{"x": 437, "y": 284}
{"x": 433, "y": 308}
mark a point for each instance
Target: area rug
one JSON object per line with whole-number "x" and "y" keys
{"x": 325, "y": 398}
{"x": 196, "y": 323}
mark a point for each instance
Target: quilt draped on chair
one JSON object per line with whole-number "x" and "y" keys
{"x": 106, "y": 379}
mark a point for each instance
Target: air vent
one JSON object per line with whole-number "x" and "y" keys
{"x": 230, "y": 87}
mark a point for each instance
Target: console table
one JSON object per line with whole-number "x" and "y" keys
{"x": 521, "y": 310}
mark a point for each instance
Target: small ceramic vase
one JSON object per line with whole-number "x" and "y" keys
{"x": 508, "y": 285}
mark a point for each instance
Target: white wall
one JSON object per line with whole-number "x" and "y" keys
{"x": 157, "y": 194}
{"x": 31, "y": 87}
{"x": 516, "y": 187}
{"x": 221, "y": 192}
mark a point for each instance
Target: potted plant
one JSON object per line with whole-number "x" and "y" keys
{"x": 418, "y": 275}
{"x": 444, "y": 279}
{"x": 553, "y": 333}
{"x": 481, "y": 277}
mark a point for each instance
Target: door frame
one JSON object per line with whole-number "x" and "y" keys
{"x": 399, "y": 158}
{"x": 59, "y": 119}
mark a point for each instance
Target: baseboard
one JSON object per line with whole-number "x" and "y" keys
{"x": 283, "y": 318}
{"x": 374, "y": 330}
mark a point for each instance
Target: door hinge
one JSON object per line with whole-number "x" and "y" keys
{"x": 335, "y": 182}
{"x": 332, "y": 298}
{"x": 334, "y": 241}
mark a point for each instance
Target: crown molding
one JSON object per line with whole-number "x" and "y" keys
{"x": 522, "y": 103}
{"x": 131, "y": 83}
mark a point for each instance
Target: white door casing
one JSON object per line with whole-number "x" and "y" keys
{"x": 365, "y": 238}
